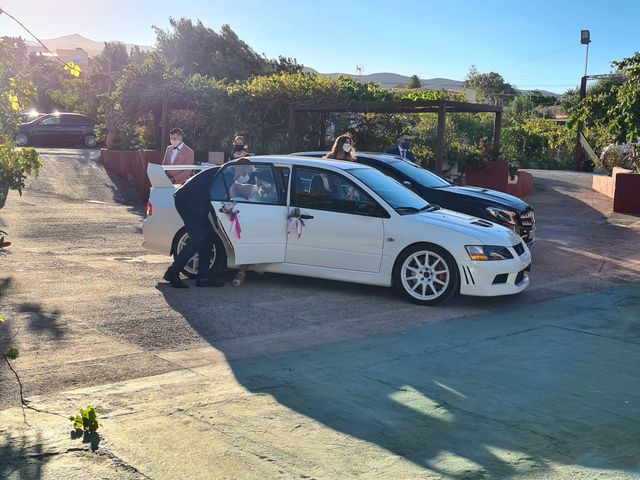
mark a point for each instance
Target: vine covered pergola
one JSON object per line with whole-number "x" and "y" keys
{"x": 441, "y": 107}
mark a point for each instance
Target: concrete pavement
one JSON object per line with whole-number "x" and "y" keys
{"x": 544, "y": 392}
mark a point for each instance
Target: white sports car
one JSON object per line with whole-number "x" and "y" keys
{"x": 342, "y": 221}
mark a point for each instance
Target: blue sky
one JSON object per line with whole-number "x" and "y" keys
{"x": 428, "y": 38}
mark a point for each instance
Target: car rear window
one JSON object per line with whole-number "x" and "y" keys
{"x": 418, "y": 174}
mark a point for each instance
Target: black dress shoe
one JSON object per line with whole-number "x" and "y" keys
{"x": 168, "y": 274}
{"x": 174, "y": 279}
{"x": 209, "y": 283}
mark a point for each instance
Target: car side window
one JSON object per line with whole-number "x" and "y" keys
{"x": 251, "y": 183}
{"x": 324, "y": 190}
{"x": 73, "y": 120}
{"x": 50, "y": 121}
{"x": 218, "y": 190}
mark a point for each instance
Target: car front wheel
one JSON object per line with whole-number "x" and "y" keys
{"x": 22, "y": 139}
{"x": 90, "y": 141}
{"x": 216, "y": 263}
{"x": 426, "y": 274}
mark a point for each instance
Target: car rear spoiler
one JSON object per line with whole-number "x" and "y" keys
{"x": 159, "y": 179}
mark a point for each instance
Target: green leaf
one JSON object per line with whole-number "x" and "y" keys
{"x": 2, "y": 320}
{"x": 12, "y": 353}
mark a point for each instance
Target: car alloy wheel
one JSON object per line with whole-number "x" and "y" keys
{"x": 426, "y": 274}
{"x": 191, "y": 268}
{"x": 90, "y": 141}
{"x": 22, "y": 139}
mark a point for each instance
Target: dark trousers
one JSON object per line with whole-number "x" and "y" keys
{"x": 201, "y": 238}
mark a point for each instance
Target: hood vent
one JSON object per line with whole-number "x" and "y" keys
{"x": 482, "y": 223}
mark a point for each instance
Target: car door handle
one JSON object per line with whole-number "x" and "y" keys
{"x": 306, "y": 217}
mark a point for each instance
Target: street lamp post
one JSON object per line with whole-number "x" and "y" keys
{"x": 585, "y": 39}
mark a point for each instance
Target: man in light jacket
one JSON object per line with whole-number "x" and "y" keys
{"x": 178, "y": 153}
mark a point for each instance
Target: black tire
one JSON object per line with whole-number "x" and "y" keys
{"x": 437, "y": 277}
{"x": 218, "y": 255}
{"x": 21, "y": 139}
{"x": 90, "y": 141}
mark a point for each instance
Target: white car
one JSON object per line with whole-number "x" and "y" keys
{"x": 342, "y": 221}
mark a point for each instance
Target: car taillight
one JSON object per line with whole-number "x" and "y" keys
{"x": 149, "y": 209}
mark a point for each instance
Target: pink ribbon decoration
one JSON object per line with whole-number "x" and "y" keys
{"x": 235, "y": 221}
{"x": 295, "y": 224}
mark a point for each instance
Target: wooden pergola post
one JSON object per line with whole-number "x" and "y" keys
{"x": 497, "y": 126}
{"x": 442, "y": 112}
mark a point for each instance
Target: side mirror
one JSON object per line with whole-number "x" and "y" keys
{"x": 407, "y": 184}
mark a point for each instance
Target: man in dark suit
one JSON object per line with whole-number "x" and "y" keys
{"x": 402, "y": 149}
{"x": 193, "y": 203}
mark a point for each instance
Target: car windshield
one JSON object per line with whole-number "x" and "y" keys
{"x": 400, "y": 198}
{"x": 418, "y": 174}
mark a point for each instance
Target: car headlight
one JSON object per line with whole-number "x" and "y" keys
{"x": 503, "y": 216}
{"x": 488, "y": 252}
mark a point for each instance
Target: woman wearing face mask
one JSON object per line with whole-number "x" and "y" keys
{"x": 239, "y": 148}
{"x": 343, "y": 148}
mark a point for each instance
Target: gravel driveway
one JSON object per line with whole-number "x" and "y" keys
{"x": 89, "y": 306}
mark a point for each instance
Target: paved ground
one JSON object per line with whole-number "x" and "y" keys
{"x": 85, "y": 302}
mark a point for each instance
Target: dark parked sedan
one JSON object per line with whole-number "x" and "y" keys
{"x": 56, "y": 129}
{"x": 491, "y": 205}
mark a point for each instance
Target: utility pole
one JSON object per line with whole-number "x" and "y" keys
{"x": 585, "y": 39}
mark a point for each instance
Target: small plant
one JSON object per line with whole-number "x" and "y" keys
{"x": 16, "y": 164}
{"x": 12, "y": 353}
{"x": 87, "y": 422}
{"x": 513, "y": 170}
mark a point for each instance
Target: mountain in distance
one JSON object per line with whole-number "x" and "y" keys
{"x": 74, "y": 41}
{"x": 394, "y": 80}
{"x": 385, "y": 79}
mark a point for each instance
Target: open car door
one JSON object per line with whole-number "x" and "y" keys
{"x": 250, "y": 202}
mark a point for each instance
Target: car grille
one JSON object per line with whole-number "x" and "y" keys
{"x": 528, "y": 220}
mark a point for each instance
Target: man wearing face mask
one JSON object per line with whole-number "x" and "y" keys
{"x": 178, "y": 153}
{"x": 402, "y": 149}
{"x": 239, "y": 148}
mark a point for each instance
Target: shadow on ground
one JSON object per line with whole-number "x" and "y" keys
{"x": 21, "y": 458}
{"x": 519, "y": 391}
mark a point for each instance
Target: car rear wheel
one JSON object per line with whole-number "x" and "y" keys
{"x": 426, "y": 274}
{"x": 90, "y": 141}
{"x": 216, "y": 263}
{"x": 22, "y": 139}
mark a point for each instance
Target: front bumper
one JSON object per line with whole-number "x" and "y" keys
{"x": 493, "y": 278}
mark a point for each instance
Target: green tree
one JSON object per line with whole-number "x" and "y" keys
{"x": 570, "y": 100}
{"x": 108, "y": 67}
{"x": 490, "y": 87}
{"x": 414, "y": 82}
{"x": 195, "y": 48}
{"x": 520, "y": 109}
{"x": 625, "y": 116}
{"x": 16, "y": 93}
{"x": 141, "y": 91}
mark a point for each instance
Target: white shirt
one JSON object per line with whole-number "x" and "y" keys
{"x": 403, "y": 152}
{"x": 175, "y": 152}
